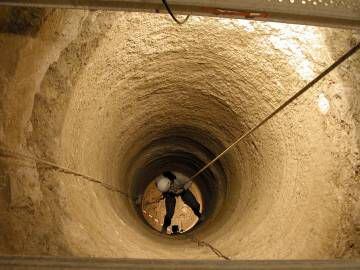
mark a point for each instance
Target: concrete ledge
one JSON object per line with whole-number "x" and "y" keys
{"x": 346, "y": 14}
{"x": 29, "y": 263}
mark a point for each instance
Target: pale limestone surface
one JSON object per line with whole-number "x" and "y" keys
{"x": 91, "y": 90}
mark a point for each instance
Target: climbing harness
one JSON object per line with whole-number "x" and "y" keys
{"x": 172, "y": 14}
{"x": 12, "y": 154}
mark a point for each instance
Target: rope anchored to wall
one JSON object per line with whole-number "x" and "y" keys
{"x": 19, "y": 156}
{"x": 172, "y": 14}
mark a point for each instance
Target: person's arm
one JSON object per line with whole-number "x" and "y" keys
{"x": 187, "y": 185}
{"x": 184, "y": 180}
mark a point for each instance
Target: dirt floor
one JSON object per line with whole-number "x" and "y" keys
{"x": 106, "y": 93}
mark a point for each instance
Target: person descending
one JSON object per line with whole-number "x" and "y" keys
{"x": 172, "y": 185}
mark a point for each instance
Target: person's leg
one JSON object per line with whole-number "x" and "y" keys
{"x": 189, "y": 199}
{"x": 170, "y": 202}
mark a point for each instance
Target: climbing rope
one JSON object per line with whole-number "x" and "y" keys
{"x": 201, "y": 243}
{"x": 19, "y": 156}
{"x": 12, "y": 154}
{"x": 172, "y": 14}
{"x": 47, "y": 164}
{"x": 281, "y": 107}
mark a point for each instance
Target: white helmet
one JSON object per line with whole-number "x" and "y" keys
{"x": 163, "y": 184}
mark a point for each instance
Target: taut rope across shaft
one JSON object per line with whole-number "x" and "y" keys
{"x": 12, "y": 154}
{"x": 281, "y": 107}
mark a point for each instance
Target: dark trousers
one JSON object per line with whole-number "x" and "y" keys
{"x": 170, "y": 202}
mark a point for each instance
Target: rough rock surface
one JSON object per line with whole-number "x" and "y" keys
{"x": 91, "y": 91}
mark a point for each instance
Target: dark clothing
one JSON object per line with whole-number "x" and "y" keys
{"x": 170, "y": 202}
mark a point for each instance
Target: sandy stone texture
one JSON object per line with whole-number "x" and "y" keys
{"x": 90, "y": 90}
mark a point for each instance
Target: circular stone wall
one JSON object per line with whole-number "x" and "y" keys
{"x": 134, "y": 94}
